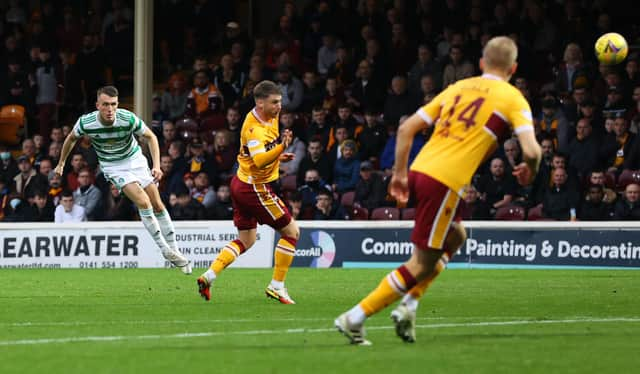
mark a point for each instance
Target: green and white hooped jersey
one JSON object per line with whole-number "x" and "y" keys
{"x": 114, "y": 143}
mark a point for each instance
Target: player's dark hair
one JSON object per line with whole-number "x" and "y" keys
{"x": 110, "y": 91}
{"x": 263, "y": 89}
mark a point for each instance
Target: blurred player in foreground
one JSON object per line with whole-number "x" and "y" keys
{"x": 470, "y": 117}
{"x": 261, "y": 150}
{"x": 112, "y": 131}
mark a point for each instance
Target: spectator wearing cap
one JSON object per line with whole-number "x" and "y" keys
{"x": 291, "y": 88}
{"x": 370, "y": 190}
{"x": 68, "y": 211}
{"x": 628, "y": 208}
{"x": 552, "y": 122}
{"x": 583, "y": 149}
{"x": 615, "y": 98}
{"x": 202, "y": 191}
{"x": 347, "y": 168}
{"x": 616, "y": 147}
{"x": 589, "y": 110}
{"x": 372, "y": 139}
{"x": 204, "y": 99}
{"x": 25, "y": 176}
{"x": 326, "y": 208}
{"x": 233, "y": 33}
{"x": 199, "y": 160}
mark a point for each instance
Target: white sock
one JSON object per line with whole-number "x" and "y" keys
{"x": 210, "y": 275}
{"x": 151, "y": 224}
{"x": 356, "y": 315}
{"x": 410, "y": 301}
{"x": 277, "y": 284}
{"x": 167, "y": 229}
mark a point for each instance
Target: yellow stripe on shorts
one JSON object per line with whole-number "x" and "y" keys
{"x": 443, "y": 219}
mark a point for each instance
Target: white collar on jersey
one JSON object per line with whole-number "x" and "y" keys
{"x": 255, "y": 114}
{"x": 491, "y": 76}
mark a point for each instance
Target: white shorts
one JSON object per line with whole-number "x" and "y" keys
{"x": 133, "y": 170}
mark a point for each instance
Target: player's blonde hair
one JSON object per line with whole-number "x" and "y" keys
{"x": 500, "y": 53}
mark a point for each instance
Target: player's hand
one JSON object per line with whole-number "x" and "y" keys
{"x": 399, "y": 187}
{"x": 157, "y": 174}
{"x": 523, "y": 174}
{"x": 287, "y": 156}
{"x": 287, "y": 138}
{"x": 59, "y": 169}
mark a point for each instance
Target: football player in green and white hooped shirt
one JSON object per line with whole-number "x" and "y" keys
{"x": 112, "y": 131}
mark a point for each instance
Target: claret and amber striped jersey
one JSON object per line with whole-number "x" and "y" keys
{"x": 114, "y": 143}
{"x": 257, "y": 136}
{"x": 471, "y": 117}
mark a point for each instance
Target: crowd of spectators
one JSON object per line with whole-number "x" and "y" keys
{"x": 350, "y": 72}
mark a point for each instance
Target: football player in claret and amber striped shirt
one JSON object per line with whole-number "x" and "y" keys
{"x": 112, "y": 131}
{"x": 261, "y": 150}
{"x": 469, "y": 118}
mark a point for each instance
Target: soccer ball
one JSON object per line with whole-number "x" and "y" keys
{"x": 611, "y": 48}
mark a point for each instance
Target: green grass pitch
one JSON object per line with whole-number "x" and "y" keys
{"x": 471, "y": 321}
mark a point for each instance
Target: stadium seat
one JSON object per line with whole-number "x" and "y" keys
{"x": 627, "y": 177}
{"x": 535, "y": 213}
{"x": 288, "y": 183}
{"x": 187, "y": 127}
{"x": 385, "y": 213}
{"x": 212, "y": 123}
{"x": 408, "y": 214}
{"x": 347, "y": 199}
{"x": 12, "y": 124}
{"x": 609, "y": 180}
{"x": 510, "y": 213}
{"x": 358, "y": 214}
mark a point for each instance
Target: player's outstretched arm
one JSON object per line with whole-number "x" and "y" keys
{"x": 399, "y": 186}
{"x": 154, "y": 149}
{"x": 526, "y": 171}
{"x": 404, "y": 139}
{"x": 67, "y": 146}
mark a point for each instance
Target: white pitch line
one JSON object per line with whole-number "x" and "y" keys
{"x": 241, "y": 320}
{"x": 9, "y": 343}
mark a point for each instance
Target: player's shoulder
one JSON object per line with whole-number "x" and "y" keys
{"x": 124, "y": 114}
{"x": 88, "y": 118}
